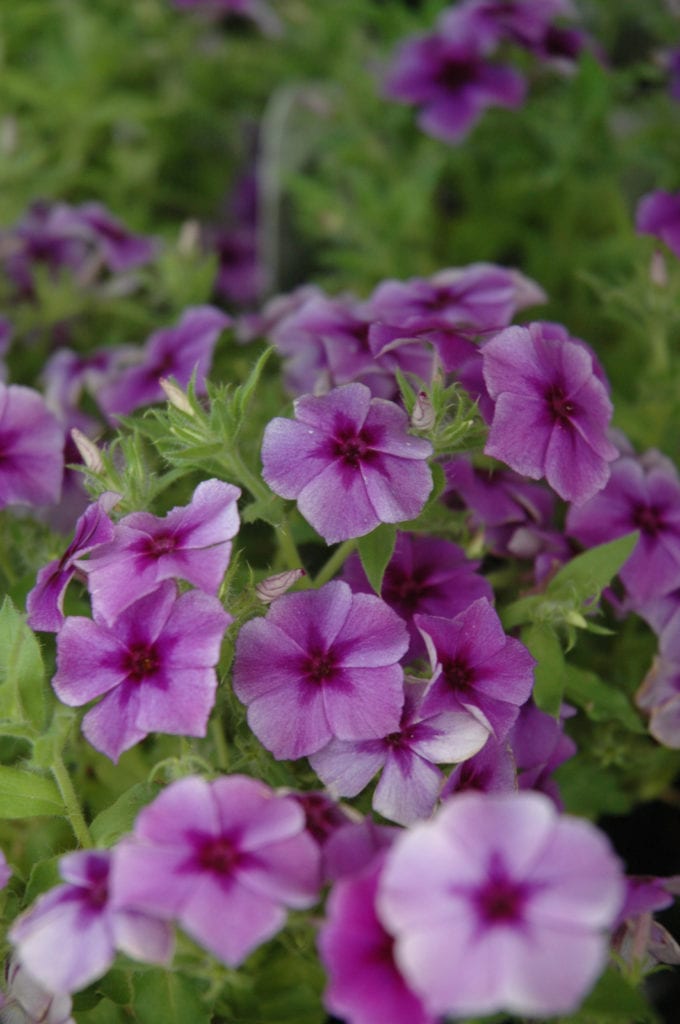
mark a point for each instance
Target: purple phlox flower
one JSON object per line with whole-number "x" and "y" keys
{"x": 5, "y": 870}
{"x": 498, "y": 500}
{"x": 70, "y": 935}
{"x": 323, "y": 816}
{"x": 364, "y": 983}
{"x": 491, "y": 770}
{"x": 451, "y": 79}
{"x": 37, "y": 239}
{"x": 118, "y": 248}
{"x": 424, "y": 575}
{"x": 658, "y": 214}
{"x": 476, "y": 668}
{"x": 499, "y": 903}
{"x": 640, "y": 940}
{"x": 192, "y": 542}
{"x": 551, "y": 411}
{"x": 240, "y": 273}
{"x": 348, "y": 460}
{"x": 250, "y": 326}
{"x": 31, "y": 449}
{"x": 407, "y": 758}
{"x": 25, "y": 1001}
{"x": 223, "y": 858}
{"x": 45, "y": 602}
{"x": 454, "y": 306}
{"x": 321, "y": 664}
{"x": 154, "y": 668}
{"x": 353, "y": 847}
{"x": 67, "y": 374}
{"x": 257, "y": 11}
{"x": 637, "y": 498}
{"x": 659, "y": 694}
{"x": 178, "y": 352}
{"x": 540, "y": 745}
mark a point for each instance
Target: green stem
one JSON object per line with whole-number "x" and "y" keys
{"x": 68, "y": 795}
{"x": 337, "y": 559}
{"x": 221, "y": 748}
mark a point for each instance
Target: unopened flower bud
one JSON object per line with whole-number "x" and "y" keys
{"x": 423, "y": 416}
{"x": 88, "y": 451}
{"x": 176, "y": 396}
{"x": 189, "y": 238}
{"x": 658, "y": 271}
{"x": 274, "y": 586}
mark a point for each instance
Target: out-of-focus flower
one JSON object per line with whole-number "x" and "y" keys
{"x": 31, "y": 449}
{"x": 25, "y": 1001}
{"x": 658, "y": 214}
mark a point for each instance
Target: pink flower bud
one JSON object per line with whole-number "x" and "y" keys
{"x": 423, "y": 416}
{"x": 274, "y": 586}
{"x": 176, "y": 396}
{"x": 88, "y": 451}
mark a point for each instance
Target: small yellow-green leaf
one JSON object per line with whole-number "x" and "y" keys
{"x": 25, "y": 794}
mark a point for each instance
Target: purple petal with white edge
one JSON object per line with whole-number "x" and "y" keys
{"x": 142, "y": 937}
{"x": 448, "y": 737}
{"x": 408, "y": 788}
{"x": 306, "y": 728}
{"x": 372, "y": 634}
{"x": 252, "y": 919}
{"x": 350, "y": 402}
{"x": 110, "y": 726}
{"x": 90, "y": 662}
{"x": 308, "y": 617}
{"x": 186, "y": 808}
{"x": 336, "y": 503}
{"x": 371, "y": 709}
{"x": 346, "y": 767}
{"x": 397, "y": 489}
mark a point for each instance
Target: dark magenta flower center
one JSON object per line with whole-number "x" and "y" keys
{"x": 97, "y": 896}
{"x": 141, "y": 660}
{"x": 161, "y": 544}
{"x": 404, "y": 591}
{"x": 648, "y": 519}
{"x": 501, "y": 900}
{"x": 455, "y": 73}
{"x": 458, "y": 674}
{"x": 352, "y": 447}
{"x": 320, "y": 666}
{"x": 219, "y": 855}
{"x": 561, "y": 407}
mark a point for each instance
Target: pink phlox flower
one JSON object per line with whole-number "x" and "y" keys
{"x": 450, "y": 78}
{"x": 639, "y": 940}
{"x": 348, "y": 461}
{"x": 192, "y": 542}
{"x": 642, "y": 496}
{"x": 25, "y": 1001}
{"x": 659, "y": 695}
{"x": 32, "y": 447}
{"x": 45, "y": 602}
{"x": 476, "y": 668}
{"x": 424, "y": 575}
{"x": 178, "y": 352}
{"x": 498, "y": 903}
{"x": 119, "y": 249}
{"x": 69, "y": 937}
{"x": 658, "y": 214}
{"x": 491, "y": 770}
{"x": 154, "y": 668}
{"x": 551, "y": 411}
{"x": 223, "y": 858}
{"x": 407, "y": 758}
{"x": 323, "y": 815}
{"x": 352, "y": 847}
{"x": 364, "y": 983}
{"x": 540, "y": 745}
{"x": 321, "y": 664}
{"x": 250, "y": 326}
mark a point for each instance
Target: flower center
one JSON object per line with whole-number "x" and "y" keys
{"x": 352, "y": 447}
{"x": 458, "y": 674}
{"x": 161, "y": 544}
{"x": 561, "y": 407}
{"x": 98, "y": 895}
{"x": 320, "y": 666}
{"x": 403, "y": 591}
{"x": 648, "y": 519}
{"x": 455, "y": 73}
{"x": 219, "y": 855}
{"x": 141, "y": 660}
{"x": 501, "y": 899}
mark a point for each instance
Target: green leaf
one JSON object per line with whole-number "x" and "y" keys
{"x": 375, "y": 551}
{"x": 108, "y": 827}
{"x": 601, "y": 701}
{"x": 612, "y": 1000}
{"x": 105, "y": 1012}
{"x": 22, "y": 675}
{"x": 25, "y": 795}
{"x": 586, "y": 576}
{"x": 244, "y": 392}
{"x": 549, "y": 673}
{"x": 169, "y": 997}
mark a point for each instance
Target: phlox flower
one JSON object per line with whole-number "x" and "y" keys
{"x": 348, "y": 461}
{"x": 551, "y": 411}
{"x": 192, "y": 542}
{"x": 322, "y": 664}
{"x": 491, "y": 770}
{"x": 364, "y": 983}
{"x": 658, "y": 214}
{"x": 117, "y": 246}
{"x": 154, "y": 667}
{"x": 177, "y": 352}
{"x": 25, "y": 1001}
{"x": 644, "y": 495}
{"x": 45, "y": 602}
{"x": 476, "y": 667}
{"x": 70, "y": 935}
{"x": 659, "y": 695}
{"x": 410, "y": 780}
{"x": 223, "y": 858}
{"x": 500, "y": 904}
{"x": 424, "y": 575}
{"x": 31, "y": 449}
